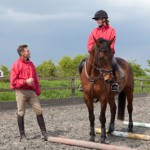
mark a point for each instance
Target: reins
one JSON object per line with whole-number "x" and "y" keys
{"x": 100, "y": 70}
{"x": 93, "y": 77}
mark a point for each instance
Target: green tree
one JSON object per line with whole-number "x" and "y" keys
{"x": 5, "y": 70}
{"x": 65, "y": 67}
{"x": 137, "y": 70}
{"x": 68, "y": 66}
{"x": 148, "y": 62}
{"x": 148, "y": 70}
{"x": 75, "y": 63}
{"x": 46, "y": 69}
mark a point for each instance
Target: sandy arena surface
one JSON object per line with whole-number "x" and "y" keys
{"x": 69, "y": 121}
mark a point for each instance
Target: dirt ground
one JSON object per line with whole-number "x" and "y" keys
{"x": 69, "y": 120}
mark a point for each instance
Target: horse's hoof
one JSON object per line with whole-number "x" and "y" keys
{"x": 102, "y": 140}
{"x": 130, "y": 130}
{"x": 92, "y": 139}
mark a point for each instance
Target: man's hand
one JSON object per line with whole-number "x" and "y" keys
{"x": 30, "y": 81}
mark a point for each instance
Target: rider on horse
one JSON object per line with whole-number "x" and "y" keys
{"x": 104, "y": 30}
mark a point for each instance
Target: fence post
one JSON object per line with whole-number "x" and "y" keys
{"x": 72, "y": 86}
{"x": 141, "y": 84}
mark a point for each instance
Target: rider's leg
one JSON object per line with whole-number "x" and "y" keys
{"x": 116, "y": 85}
{"x": 80, "y": 67}
{"x": 80, "y": 71}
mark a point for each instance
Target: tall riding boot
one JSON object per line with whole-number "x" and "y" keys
{"x": 80, "y": 67}
{"x": 41, "y": 123}
{"x": 116, "y": 85}
{"x": 20, "y": 120}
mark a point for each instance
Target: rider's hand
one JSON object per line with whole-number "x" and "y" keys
{"x": 30, "y": 81}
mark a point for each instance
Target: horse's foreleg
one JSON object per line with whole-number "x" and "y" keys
{"x": 112, "y": 105}
{"x": 90, "y": 107}
{"x": 102, "y": 119}
{"x": 92, "y": 125}
{"x": 130, "y": 110}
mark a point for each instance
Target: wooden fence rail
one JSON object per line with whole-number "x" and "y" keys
{"x": 142, "y": 84}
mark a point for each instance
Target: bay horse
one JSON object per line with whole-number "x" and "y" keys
{"x": 96, "y": 79}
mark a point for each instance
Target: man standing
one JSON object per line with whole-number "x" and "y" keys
{"x": 24, "y": 80}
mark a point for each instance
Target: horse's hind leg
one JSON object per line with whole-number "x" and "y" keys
{"x": 112, "y": 105}
{"x": 90, "y": 107}
{"x": 130, "y": 109}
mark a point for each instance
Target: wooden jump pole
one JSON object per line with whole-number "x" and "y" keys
{"x": 126, "y": 134}
{"x": 139, "y": 124}
{"x": 85, "y": 144}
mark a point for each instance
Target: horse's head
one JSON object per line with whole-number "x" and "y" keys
{"x": 103, "y": 55}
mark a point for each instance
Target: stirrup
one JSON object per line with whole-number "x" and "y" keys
{"x": 115, "y": 87}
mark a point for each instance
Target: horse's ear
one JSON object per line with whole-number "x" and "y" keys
{"x": 111, "y": 41}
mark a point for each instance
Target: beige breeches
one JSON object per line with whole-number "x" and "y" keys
{"x": 27, "y": 96}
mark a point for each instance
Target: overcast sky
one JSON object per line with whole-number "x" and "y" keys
{"x": 55, "y": 28}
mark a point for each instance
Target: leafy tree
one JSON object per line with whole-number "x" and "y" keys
{"x": 148, "y": 62}
{"x": 46, "y": 69}
{"x": 137, "y": 70}
{"x": 65, "y": 67}
{"x": 68, "y": 66}
{"x": 148, "y": 70}
{"x": 5, "y": 70}
{"x": 75, "y": 63}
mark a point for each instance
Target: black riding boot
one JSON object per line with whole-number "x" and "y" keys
{"x": 41, "y": 123}
{"x": 115, "y": 87}
{"x": 20, "y": 120}
{"x": 80, "y": 67}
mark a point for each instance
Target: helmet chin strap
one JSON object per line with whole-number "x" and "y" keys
{"x": 101, "y": 26}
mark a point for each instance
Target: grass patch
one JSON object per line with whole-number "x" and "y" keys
{"x": 66, "y": 93}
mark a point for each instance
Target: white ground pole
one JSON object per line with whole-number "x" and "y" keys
{"x": 139, "y": 124}
{"x": 127, "y": 134}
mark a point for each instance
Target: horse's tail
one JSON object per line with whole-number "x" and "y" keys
{"x": 121, "y": 105}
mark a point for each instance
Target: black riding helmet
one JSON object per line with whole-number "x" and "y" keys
{"x": 100, "y": 15}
